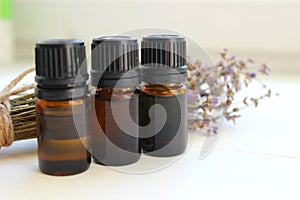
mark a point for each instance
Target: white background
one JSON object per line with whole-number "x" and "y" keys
{"x": 266, "y": 29}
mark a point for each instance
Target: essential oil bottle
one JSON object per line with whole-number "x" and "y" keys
{"x": 163, "y": 75}
{"x": 113, "y": 74}
{"x": 61, "y": 76}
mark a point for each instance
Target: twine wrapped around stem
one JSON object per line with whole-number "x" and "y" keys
{"x": 17, "y": 115}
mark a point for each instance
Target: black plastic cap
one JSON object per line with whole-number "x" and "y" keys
{"x": 60, "y": 67}
{"x": 114, "y": 58}
{"x": 163, "y": 59}
{"x": 164, "y": 51}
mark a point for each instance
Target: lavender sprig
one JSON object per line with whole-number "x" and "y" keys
{"x": 213, "y": 90}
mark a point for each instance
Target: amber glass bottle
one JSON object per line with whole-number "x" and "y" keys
{"x": 62, "y": 107}
{"x": 163, "y": 74}
{"x": 113, "y": 74}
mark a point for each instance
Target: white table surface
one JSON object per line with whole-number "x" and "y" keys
{"x": 259, "y": 158}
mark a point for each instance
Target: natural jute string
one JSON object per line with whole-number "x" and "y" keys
{"x": 6, "y": 124}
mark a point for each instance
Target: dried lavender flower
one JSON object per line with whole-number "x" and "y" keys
{"x": 214, "y": 88}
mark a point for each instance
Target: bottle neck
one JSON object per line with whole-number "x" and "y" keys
{"x": 62, "y": 92}
{"x": 122, "y": 79}
{"x": 164, "y": 75}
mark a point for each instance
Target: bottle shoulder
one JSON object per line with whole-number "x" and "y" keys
{"x": 114, "y": 93}
{"x": 163, "y": 89}
{"x": 63, "y": 106}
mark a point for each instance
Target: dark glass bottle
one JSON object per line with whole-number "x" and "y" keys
{"x": 163, "y": 74}
{"x": 61, "y": 76}
{"x": 113, "y": 74}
